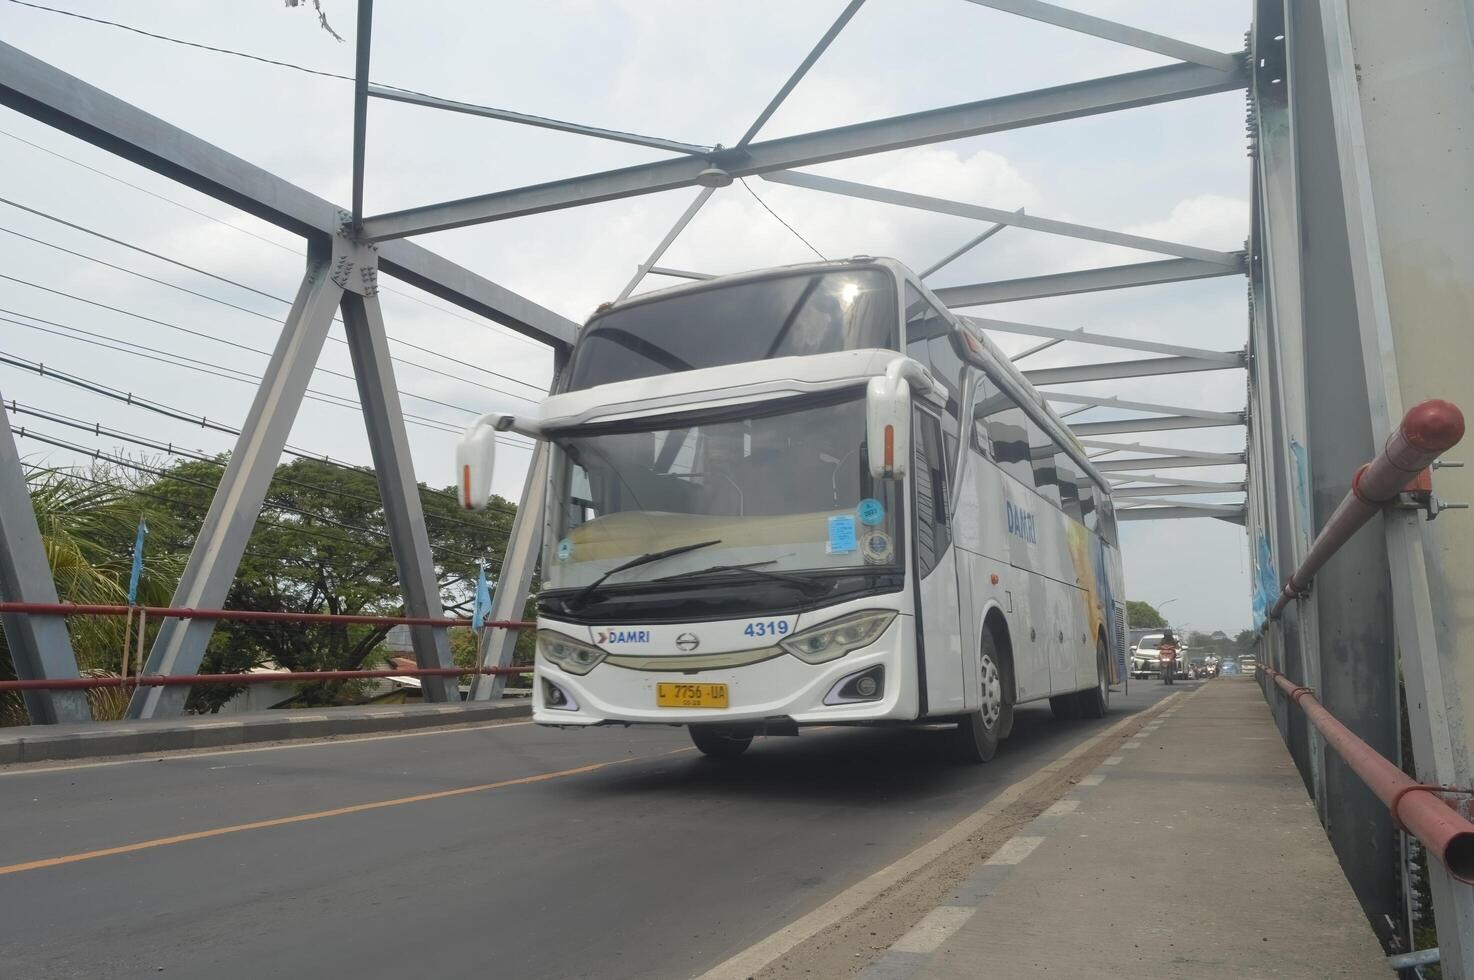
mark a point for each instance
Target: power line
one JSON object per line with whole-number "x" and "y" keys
{"x": 178, "y": 414}
{"x": 495, "y": 328}
{"x": 765, "y": 208}
{"x": 240, "y": 285}
{"x": 100, "y": 430}
{"x": 221, "y": 340}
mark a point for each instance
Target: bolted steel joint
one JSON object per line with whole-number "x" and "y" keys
{"x": 355, "y": 264}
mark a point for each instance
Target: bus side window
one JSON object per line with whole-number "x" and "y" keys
{"x": 931, "y": 340}
{"x": 1009, "y": 434}
{"x": 1107, "y": 519}
{"x": 1068, "y": 475}
{"x": 1042, "y": 451}
{"x": 986, "y": 399}
{"x": 1088, "y": 511}
{"x": 929, "y": 479}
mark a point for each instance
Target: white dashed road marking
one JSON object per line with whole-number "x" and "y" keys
{"x": 1015, "y": 850}
{"x": 933, "y": 929}
{"x": 1061, "y": 807}
{"x": 1093, "y": 779}
{"x": 1114, "y": 760}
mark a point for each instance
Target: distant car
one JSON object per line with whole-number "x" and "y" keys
{"x": 1228, "y": 668}
{"x": 1144, "y": 657}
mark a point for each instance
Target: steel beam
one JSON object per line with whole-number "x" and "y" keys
{"x": 1109, "y": 30}
{"x": 656, "y": 270}
{"x": 180, "y": 645}
{"x": 1215, "y": 486}
{"x": 1137, "y": 504}
{"x": 1079, "y": 336}
{"x": 665, "y": 243}
{"x": 40, "y": 647}
{"x": 36, "y": 89}
{"x": 404, "y": 515}
{"x": 1175, "y": 489}
{"x": 1137, "y": 447}
{"x": 1162, "y": 463}
{"x": 1071, "y": 101}
{"x": 363, "y": 44}
{"x": 962, "y": 250}
{"x": 392, "y": 94}
{"x": 849, "y": 11}
{"x": 1112, "y": 370}
{"x": 1233, "y": 515}
{"x": 1083, "y": 281}
{"x": 1103, "y": 401}
{"x": 514, "y": 581}
{"x": 1158, "y": 423}
{"x": 937, "y": 205}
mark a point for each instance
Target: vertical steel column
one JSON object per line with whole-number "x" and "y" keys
{"x": 216, "y": 555}
{"x": 1353, "y": 596}
{"x": 514, "y": 580}
{"x": 1404, "y": 83}
{"x": 1272, "y": 78}
{"x": 40, "y": 647}
{"x": 404, "y": 515}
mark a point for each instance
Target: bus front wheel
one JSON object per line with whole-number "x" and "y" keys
{"x": 978, "y": 732}
{"x": 720, "y": 743}
{"x": 1095, "y": 702}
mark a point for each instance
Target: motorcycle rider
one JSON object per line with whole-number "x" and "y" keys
{"x": 1167, "y": 655}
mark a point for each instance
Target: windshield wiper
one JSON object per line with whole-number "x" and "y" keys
{"x": 808, "y": 585}
{"x": 588, "y": 590}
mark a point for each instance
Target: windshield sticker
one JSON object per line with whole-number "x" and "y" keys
{"x": 565, "y": 550}
{"x": 878, "y": 548}
{"x": 871, "y": 512}
{"x": 841, "y": 534}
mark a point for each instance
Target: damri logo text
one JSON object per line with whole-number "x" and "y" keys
{"x": 1021, "y": 523}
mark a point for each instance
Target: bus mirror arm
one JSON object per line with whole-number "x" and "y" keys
{"x": 476, "y": 455}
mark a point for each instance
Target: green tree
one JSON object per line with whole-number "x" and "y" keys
{"x": 1142, "y": 614}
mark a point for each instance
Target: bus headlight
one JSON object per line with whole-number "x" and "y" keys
{"x": 573, "y": 656}
{"x": 834, "y": 639}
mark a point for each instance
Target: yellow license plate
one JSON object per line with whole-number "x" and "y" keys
{"x": 691, "y": 695}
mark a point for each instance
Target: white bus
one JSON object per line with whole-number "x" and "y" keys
{"x": 810, "y": 496}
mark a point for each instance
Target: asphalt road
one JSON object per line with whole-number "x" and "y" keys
{"x": 509, "y": 851}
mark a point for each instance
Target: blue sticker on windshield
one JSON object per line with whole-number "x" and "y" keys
{"x": 841, "y": 534}
{"x": 565, "y": 550}
{"x": 871, "y": 511}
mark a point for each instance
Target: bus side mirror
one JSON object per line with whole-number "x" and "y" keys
{"x": 475, "y": 459}
{"x": 888, "y": 427}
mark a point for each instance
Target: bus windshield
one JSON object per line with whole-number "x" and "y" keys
{"x": 767, "y": 492}
{"x": 751, "y": 320}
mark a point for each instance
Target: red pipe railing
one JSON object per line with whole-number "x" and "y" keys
{"x": 1415, "y": 807}
{"x": 1428, "y": 429}
{"x": 262, "y": 677}
{"x": 247, "y": 615}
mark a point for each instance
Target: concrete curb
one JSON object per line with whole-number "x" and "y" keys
{"x": 40, "y": 743}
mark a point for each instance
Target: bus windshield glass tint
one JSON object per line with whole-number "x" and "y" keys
{"x": 775, "y": 316}
{"x": 779, "y": 491}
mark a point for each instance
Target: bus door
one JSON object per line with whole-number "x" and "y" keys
{"x": 939, "y": 630}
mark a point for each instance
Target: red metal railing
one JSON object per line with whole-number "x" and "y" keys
{"x": 1415, "y": 807}
{"x": 1428, "y": 429}
{"x": 262, "y": 677}
{"x": 246, "y": 615}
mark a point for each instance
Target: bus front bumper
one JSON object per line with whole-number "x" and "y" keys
{"x": 782, "y": 688}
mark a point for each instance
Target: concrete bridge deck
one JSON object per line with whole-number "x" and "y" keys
{"x": 510, "y": 850}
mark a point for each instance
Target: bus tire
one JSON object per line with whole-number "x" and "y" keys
{"x": 978, "y": 732}
{"x": 717, "y": 742}
{"x": 1095, "y": 702}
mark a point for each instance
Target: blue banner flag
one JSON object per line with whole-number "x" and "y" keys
{"x": 137, "y": 562}
{"x": 482, "y": 607}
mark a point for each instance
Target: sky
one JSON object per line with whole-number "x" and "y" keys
{"x": 697, "y": 71}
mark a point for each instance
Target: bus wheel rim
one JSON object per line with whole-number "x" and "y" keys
{"x": 992, "y": 701}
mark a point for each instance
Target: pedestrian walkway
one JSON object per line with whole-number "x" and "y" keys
{"x": 1192, "y": 853}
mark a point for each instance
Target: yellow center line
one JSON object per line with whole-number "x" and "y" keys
{"x": 321, "y": 814}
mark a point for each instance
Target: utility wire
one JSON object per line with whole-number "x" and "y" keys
{"x": 239, "y": 285}
{"x": 167, "y": 411}
{"x": 765, "y": 208}
{"x": 495, "y": 328}
{"x": 100, "y": 430}
{"x": 271, "y": 61}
